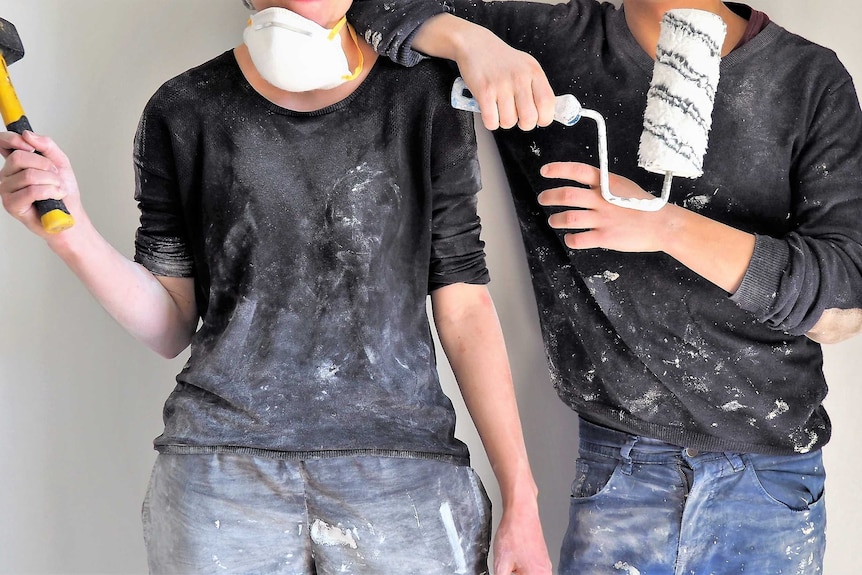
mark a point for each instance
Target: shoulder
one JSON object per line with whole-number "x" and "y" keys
{"x": 194, "y": 89}
{"x": 427, "y": 83}
{"x": 803, "y": 58}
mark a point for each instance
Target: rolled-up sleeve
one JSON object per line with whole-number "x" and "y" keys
{"x": 389, "y": 27}
{"x": 161, "y": 241}
{"x": 457, "y": 250}
{"x": 793, "y": 280}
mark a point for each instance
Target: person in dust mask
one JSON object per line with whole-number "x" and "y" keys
{"x": 687, "y": 339}
{"x": 299, "y": 201}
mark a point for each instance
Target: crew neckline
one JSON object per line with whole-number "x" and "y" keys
{"x": 272, "y": 106}
{"x": 617, "y": 23}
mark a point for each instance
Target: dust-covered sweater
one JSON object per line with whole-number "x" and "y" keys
{"x": 637, "y": 341}
{"x": 313, "y": 240}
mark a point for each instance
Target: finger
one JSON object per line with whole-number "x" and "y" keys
{"x": 544, "y": 99}
{"x": 20, "y": 160}
{"x": 507, "y": 109}
{"x": 20, "y": 202}
{"x": 525, "y": 105}
{"x": 567, "y": 196}
{"x": 30, "y": 178}
{"x": 585, "y": 240}
{"x": 486, "y": 97}
{"x": 10, "y": 142}
{"x": 577, "y": 171}
{"x": 574, "y": 220}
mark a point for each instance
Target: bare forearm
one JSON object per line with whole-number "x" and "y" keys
{"x": 473, "y": 342}
{"x": 131, "y": 294}
{"x": 715, "y": 251}
{"x": 450, "y": 37}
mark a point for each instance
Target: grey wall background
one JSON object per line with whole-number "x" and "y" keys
{"x": 80, "y": 401}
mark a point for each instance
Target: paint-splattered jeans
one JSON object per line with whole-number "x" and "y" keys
{"x": 645, "y": 507}
{"x": 230, "y": 513}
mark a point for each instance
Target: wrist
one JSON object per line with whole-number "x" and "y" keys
{"x": 73, "y": 242}
{"x": 670, "y": 223}
{"x": 519, "y": 493}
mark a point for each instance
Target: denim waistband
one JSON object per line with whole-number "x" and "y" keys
{"x": 637, "y": 449}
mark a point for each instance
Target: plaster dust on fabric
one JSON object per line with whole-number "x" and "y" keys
{"x": 624, "y": 567}
{"x": 454, "y": 539}
{"x": 323, "y": 533}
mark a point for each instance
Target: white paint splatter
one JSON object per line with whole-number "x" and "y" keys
{"x": 218, "y": 524}
{"x": 732, "y": 406}
{"x": 218, "y": 563}
{"x": 697, "y": 202}
{"x": 535, "y": 149}
{"x": 327, "y": 371}
{"x": 323, "y": 533}
{"x": 812, "y": 440}
{"x": 623, "y": 566}
{"x": 454, "y": 539}
{"x": 373, "y": 38}
{"x": 648, "y": 402}
{"x": 781, "y": 407}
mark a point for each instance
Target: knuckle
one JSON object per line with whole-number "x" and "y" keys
{"x": 508, "y": 120}
{"x": 527, "y": 121}
{"x": 570, "y": 195}
{"x": 572, "y": 218}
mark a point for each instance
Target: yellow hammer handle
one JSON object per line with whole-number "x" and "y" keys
{"x": 53, "y": 213}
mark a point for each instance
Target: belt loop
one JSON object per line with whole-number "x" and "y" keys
{"x": 735, "y": 460}
{"x": 626, "y": 454}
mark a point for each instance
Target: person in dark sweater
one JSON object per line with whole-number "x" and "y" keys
{"x": 686, "y": 339}
{"x": 299, "y": 200}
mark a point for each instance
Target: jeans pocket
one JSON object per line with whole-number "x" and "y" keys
{"x": 795, "y": 481}
{"x": 592, "y": 474}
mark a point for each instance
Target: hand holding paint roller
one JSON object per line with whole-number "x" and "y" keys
{"x": 568, "y": 111}
{"x": 678, "y": 115}
{"x": 53, "y": 213}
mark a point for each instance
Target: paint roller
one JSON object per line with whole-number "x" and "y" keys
{"x": 680, "y": 100}
{"x": 53, "y": 213}
{"x": 678, "y": 115}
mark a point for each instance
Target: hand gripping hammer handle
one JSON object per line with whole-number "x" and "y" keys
{"x": 53, "y": 213}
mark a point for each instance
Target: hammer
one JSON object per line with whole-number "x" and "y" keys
{"x": 53, "y": 213}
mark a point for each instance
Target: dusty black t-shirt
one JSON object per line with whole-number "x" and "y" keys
{"x": 313, "y": 239}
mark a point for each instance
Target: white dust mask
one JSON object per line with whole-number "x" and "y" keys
{"x": 296, "y": 54}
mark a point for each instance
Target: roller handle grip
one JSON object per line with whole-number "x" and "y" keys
{"x": 53, "y": 213}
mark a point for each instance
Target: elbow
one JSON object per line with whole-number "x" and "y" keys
{"x": 170, "y": 351}
{"x": 836, "y": 325}
{"x": 171, "y": 347}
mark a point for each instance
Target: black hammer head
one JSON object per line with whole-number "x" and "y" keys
{"x": 10, "y": 43}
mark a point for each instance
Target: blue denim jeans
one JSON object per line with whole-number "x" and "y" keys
{"x": 229, "y": 513}
{"x": 644, "y": 507}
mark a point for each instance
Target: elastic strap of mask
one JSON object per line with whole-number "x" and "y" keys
{"x": 334, "y": 33}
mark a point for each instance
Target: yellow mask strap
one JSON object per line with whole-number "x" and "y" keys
{"x": 334, "y": 33}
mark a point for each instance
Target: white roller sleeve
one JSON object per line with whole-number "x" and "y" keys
{"x": 678, "y": 115}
